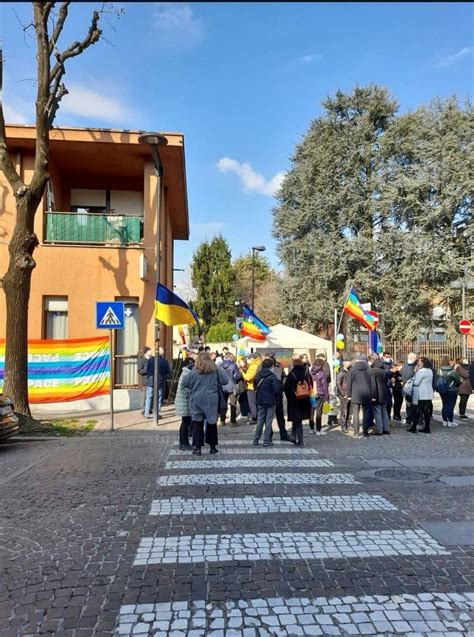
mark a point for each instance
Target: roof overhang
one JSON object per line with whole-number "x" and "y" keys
{"x": 117, "y": 153}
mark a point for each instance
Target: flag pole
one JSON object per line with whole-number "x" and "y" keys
{"x": 342, "y": 313}
{"x": 156, "y": 371}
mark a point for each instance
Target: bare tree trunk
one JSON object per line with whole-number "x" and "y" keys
{"x": 16, "y": 285}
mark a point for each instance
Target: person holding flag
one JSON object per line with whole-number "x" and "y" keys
{"x": 171, "y": 310}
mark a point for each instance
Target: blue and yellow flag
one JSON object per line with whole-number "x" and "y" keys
{"x": 172, "y": 310}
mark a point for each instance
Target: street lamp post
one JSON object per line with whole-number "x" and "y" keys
{"x": 154, "y": 141}
{"x": 254, "y": 250}
{"x": 463, "y": 285}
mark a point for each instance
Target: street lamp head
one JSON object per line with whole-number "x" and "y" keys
{"x": 259, "y": 248}
{"x": 152, "y": 139}
{"x": 456, "y": 285}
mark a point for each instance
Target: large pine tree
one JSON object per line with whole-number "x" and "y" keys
{"x": 371, "y": 200}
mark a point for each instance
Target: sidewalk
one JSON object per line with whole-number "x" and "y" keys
{"x": 135, "y": 421}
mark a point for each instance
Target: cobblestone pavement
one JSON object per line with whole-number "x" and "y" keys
{"x": 122, "y": 534}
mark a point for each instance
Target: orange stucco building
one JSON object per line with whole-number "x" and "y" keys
{"x": 97, "y": 233}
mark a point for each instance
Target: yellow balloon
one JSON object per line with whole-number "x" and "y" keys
{"x": 340, "y": 344}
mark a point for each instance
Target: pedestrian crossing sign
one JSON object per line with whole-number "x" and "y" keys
{"x": 110, "y": 315}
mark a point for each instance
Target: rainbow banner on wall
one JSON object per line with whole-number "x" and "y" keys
{"x": 65, "y": 370}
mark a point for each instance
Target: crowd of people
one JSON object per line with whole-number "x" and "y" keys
{"x": 368, "y": 391}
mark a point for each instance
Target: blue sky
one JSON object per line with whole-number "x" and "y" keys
{"x": 242, "y": 82}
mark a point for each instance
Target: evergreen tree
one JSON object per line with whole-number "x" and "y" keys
{"x": 213, "y": 279}
{"x": 427, "y": 195}
{"x": 380, "y": 202}
{"x": 328, "y": 214}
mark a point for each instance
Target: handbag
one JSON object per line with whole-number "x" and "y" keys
{"x": 239, "y": 388}
{"x": 407, "y": 389}
{"x": 302, "y": 389}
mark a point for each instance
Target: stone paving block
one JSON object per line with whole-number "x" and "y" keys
{"x": 253, "y": 463}
{"x": 264, "y": 546}
{"x": 256, "y": 478}
{"x": 459, "y": 533}
{"x": 458, "y": 481}
{"x": 307, "y": 616}
{"x": 254, "y": 505}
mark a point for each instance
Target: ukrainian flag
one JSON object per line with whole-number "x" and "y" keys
{"x": 172, "y": 310}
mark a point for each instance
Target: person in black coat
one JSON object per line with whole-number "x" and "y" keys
{"x": 397, "y": 385}
{"x": 341, "y": 387}
{"x": 380, "y": 391}
{"x": 142, "y": 364}
{"x": 267, "y": 390}
{"x": 299, "y": 409}
{"x": 277, "y": 369}
{"x": 360, "y": 392}
{"x": 407, "y": 372}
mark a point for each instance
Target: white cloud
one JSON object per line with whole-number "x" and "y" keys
{"x": 176, "y": 24}
{"x": 449, "y": 60}
{"x": 250, "y": 180}
{"x": 14, "y": 116}
{"x": 309, "y": 58}
{"x": 85, "y": 102}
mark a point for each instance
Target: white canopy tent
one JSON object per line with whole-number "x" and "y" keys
{"x": 284, "y": 337}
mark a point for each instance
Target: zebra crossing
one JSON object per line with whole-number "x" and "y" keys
{"x": 251, "y": 504}
{"x": 420, "y": 613}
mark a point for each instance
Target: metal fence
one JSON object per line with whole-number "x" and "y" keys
{"x": 433, "y": 350}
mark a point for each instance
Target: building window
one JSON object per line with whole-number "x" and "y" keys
{"x": 55, "y": 317}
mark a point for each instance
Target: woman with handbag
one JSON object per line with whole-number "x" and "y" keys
{"x": 298, "y": 386}
{"x": 205, "y": 382}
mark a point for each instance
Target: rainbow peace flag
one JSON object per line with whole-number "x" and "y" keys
{"x": 353, "y": 308}
{"x": 252, "y": 326}
{"x": 65, "y": 370}
{"x": 171, "y": 309}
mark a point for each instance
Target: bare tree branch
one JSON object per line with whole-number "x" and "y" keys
{"x": 23, "y": 27}
{"x": 76, "y": 48}
{"x": 47, "y": 8}
{"x": 58, "y": 27}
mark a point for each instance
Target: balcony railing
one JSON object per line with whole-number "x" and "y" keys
{"x": 91, "y": 228}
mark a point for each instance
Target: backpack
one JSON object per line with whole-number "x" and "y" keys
{"x": 303, "y": 389}
{"x": 442, "y": 385}
{"x": 448, "y": 382}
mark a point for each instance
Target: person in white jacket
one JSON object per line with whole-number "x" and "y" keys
{"x": 422, "y": 397}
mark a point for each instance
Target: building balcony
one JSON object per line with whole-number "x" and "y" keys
{"x": 90, "y": 228}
